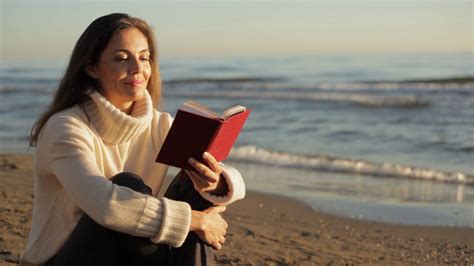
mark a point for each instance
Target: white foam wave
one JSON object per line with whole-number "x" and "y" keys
{"x": 253, "y": 154}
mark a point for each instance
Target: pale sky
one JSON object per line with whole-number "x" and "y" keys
{"x": 48, "y": 29}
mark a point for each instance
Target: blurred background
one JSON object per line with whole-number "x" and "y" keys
{"x": 360, "y": 108}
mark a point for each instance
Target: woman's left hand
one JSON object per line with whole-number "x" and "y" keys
{"x": 206, "y": 178}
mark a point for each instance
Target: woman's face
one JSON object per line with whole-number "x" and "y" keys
{"x": 124, "y": 68}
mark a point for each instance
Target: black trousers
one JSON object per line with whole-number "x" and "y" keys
{"x": 93, "y": 244}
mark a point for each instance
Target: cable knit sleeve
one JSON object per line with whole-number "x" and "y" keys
{"x": 69, "y": 146}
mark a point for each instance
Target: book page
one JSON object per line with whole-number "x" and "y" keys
{"x": 202, "y": 110}
{"x": 199, "y": 109}
{"x": 233, "y": 111}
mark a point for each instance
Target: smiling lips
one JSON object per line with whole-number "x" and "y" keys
{"x": 135, "y": 83}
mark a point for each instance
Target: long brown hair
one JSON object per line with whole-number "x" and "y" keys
{"x": 72, "y": 89}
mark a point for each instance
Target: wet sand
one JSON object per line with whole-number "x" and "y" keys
{"x": 267, "y": 230}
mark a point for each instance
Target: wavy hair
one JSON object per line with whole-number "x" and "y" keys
{"x": 75, "y": 83}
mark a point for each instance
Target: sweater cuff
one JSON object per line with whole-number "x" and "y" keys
{"x": 235, "y": 185}
{"x": 175, "y": 223}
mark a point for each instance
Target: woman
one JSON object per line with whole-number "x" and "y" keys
{"x": 99, "y": 196}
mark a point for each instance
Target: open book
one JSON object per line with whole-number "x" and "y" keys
{"x": 197, "y": 129}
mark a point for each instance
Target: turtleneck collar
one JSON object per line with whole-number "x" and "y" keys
{"x": 113, "y": 125}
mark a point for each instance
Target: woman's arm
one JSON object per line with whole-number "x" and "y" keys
{"x": 71, "y": 159}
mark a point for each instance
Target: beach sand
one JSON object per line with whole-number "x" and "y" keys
{"x": 267, "y": 230}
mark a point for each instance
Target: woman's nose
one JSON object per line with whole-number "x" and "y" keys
{"x": 135, "y": 66}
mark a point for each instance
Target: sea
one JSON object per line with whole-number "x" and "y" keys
{"x": 379, "y": 137}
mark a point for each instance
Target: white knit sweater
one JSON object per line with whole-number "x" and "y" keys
{"x": 78, "y": 151}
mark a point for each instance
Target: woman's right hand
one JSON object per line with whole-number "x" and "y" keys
{"x": 210, "y": 226}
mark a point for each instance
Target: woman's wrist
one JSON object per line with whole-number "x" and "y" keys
{"x": 197, "y": 218}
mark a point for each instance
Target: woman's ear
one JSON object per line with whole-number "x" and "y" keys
{"x": 91, "y": 70}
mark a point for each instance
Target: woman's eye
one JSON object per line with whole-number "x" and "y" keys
{"x": 120, "y": 58}
{"x": 145, "y": 59}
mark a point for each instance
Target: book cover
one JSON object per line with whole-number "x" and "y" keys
{"x": 192, "y": 134}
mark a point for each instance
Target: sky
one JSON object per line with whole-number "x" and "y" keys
{"x": 49, "y": 29}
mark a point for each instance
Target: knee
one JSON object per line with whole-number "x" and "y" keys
{"x": 132, "y": 181}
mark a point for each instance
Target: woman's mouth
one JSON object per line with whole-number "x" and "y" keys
{"x": 135, "y": 83}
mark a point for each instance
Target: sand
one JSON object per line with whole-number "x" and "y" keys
{"x": 267, "y": 230}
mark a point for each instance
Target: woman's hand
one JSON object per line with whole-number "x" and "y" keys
{"x": 210, "y": 226}
{"x": 207, "y": 178}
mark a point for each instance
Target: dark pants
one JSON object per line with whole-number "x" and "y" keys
{"x": 93, "y": 244}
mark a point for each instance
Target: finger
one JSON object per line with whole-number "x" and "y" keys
{"x": 207, "y": 173}
{"x": 191, "y": 173}
{"x": 220, "y": 209}
{"x": 204, "y": 184}
{"x": 222, "y": 240}
{"x": 194, "y": 174}
{"x": 203, "y": 179}
{"x": 197, "y": 181}
{"x": 217, "y": 246}
{"x": 212, "y": 162}
{"x": 217, "y": 209}
{"x": 200, "y": 169}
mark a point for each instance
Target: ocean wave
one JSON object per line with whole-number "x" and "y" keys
{"x": 459, "y": 80}
{"x": 392, "y": 85}
{"x": 273, "y": 85}
{"x": 256, "y": 155}
{"x": 461, "y": 148}
{"x": 362, "y": 99}
{"x": 367, "y": 100}
{"x": 447, "y": 80}
{"x": 278, "y": 83}
{"x": 263, "y": 83}
{"x": 28, "y": 79}
{"x": 221, "y": 80}
{"x": 27, "y": 89}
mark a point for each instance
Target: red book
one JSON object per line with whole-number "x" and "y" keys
{"x": 197, "y": 129}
